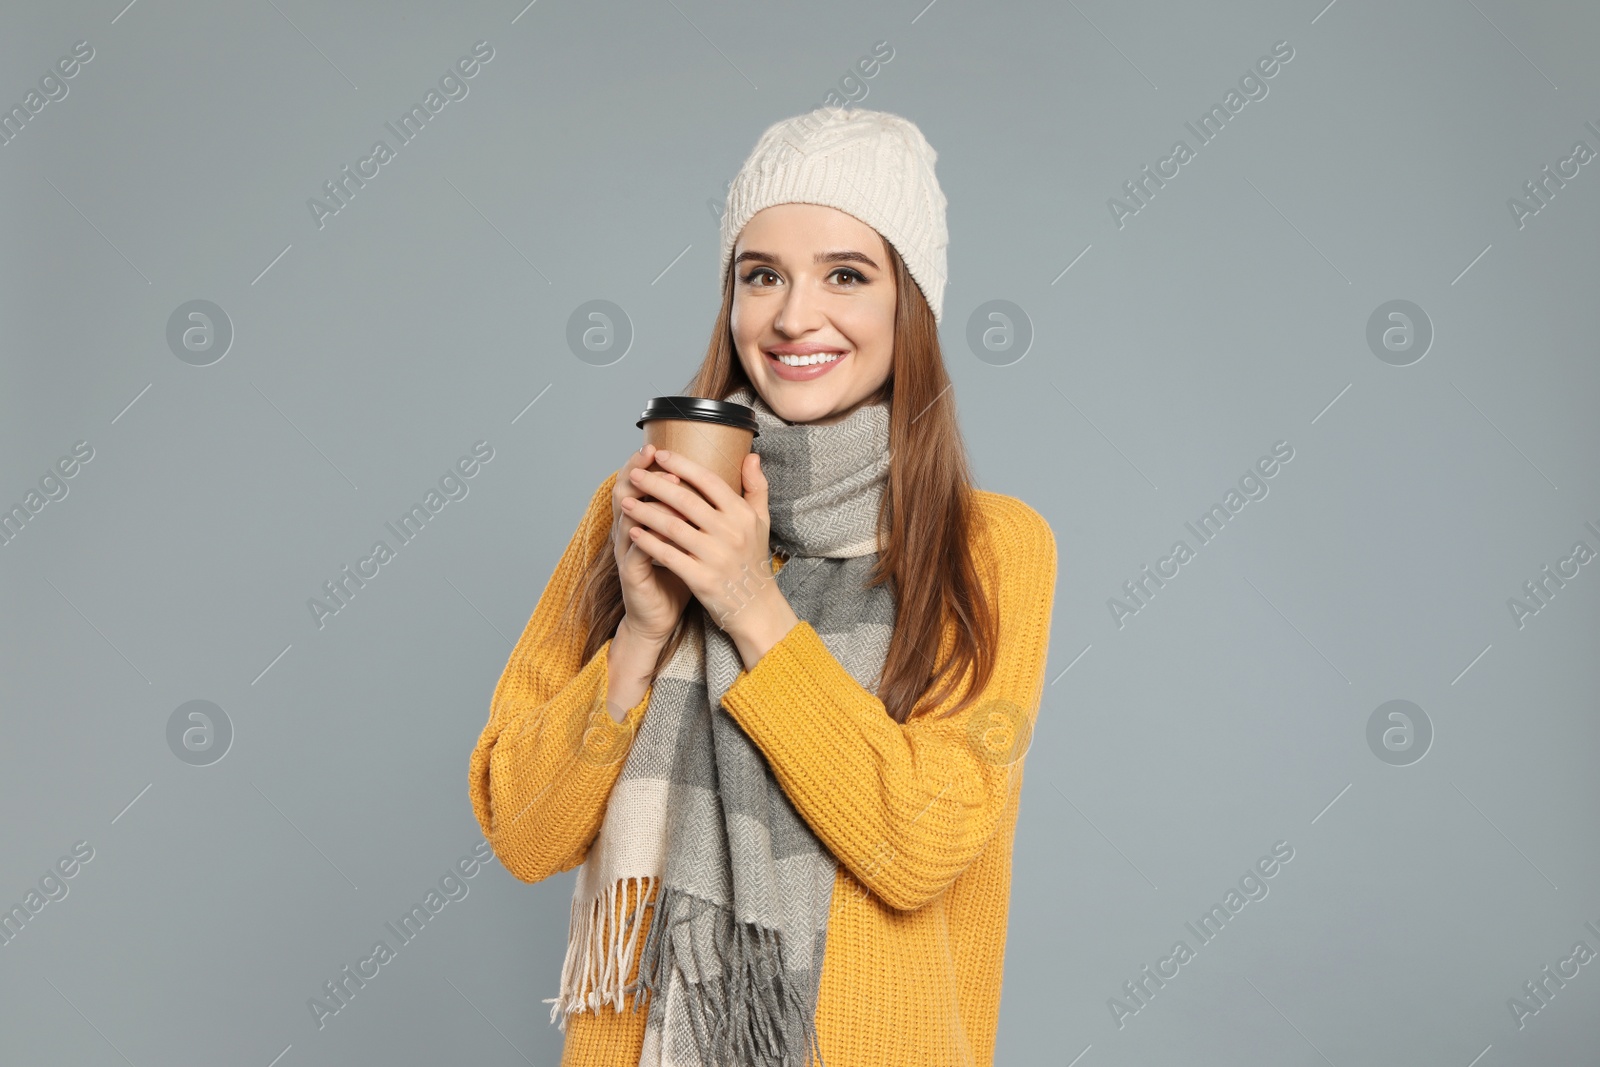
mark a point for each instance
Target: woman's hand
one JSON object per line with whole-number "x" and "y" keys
{"x": 713, "y": 540}
{"x": 653, "y": 597}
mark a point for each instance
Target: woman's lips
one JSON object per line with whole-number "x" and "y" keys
{"x": 803, "y": 374}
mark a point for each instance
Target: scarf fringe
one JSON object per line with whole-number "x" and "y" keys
{"x": 599, "y": 947}
{"x": 741, "y": 1001}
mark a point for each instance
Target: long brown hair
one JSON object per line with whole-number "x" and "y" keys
{"x": 928, "y": 512}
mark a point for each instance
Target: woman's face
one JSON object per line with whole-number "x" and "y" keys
{"x": 809, "y": 278}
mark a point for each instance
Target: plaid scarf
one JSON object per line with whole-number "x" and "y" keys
{"x": 734, "y": 955}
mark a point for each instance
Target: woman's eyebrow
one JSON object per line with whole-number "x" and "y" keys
{"x": 821, "y": 257}
{"x": 845, "y": 256}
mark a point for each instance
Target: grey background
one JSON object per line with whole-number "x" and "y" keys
{"x": 370, "y": 354}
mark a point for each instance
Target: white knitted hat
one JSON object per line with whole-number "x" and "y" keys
{"x": 870, "y": 164}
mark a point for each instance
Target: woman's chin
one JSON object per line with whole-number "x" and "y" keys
{"x": 789, "y": 409}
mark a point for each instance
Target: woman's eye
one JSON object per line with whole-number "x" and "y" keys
{"x": 750, "y": 278}
{"x": 850, "y": 275}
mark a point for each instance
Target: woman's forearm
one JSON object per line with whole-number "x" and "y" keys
{"x": 629, "y": 665}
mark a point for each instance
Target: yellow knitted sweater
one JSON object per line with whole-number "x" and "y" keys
{"x": 920, "y": 817}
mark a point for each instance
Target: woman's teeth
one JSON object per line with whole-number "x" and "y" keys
{"x": 806, "y": 361}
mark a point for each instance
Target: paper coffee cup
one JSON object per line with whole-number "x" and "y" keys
{"x": 716, "y": 434}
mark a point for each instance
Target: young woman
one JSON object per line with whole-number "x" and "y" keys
{"x": 783, "y": 731}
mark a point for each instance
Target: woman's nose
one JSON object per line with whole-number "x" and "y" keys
{"x": 800, "y": 313}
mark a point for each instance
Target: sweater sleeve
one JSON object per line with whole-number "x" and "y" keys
{"x": 545, "y": 763}
{"x": 907, "y": 808}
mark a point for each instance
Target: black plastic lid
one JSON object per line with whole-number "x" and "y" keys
{"x": 699, "y": 409}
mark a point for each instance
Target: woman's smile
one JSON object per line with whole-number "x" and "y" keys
{"x": 803, "y": 362}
